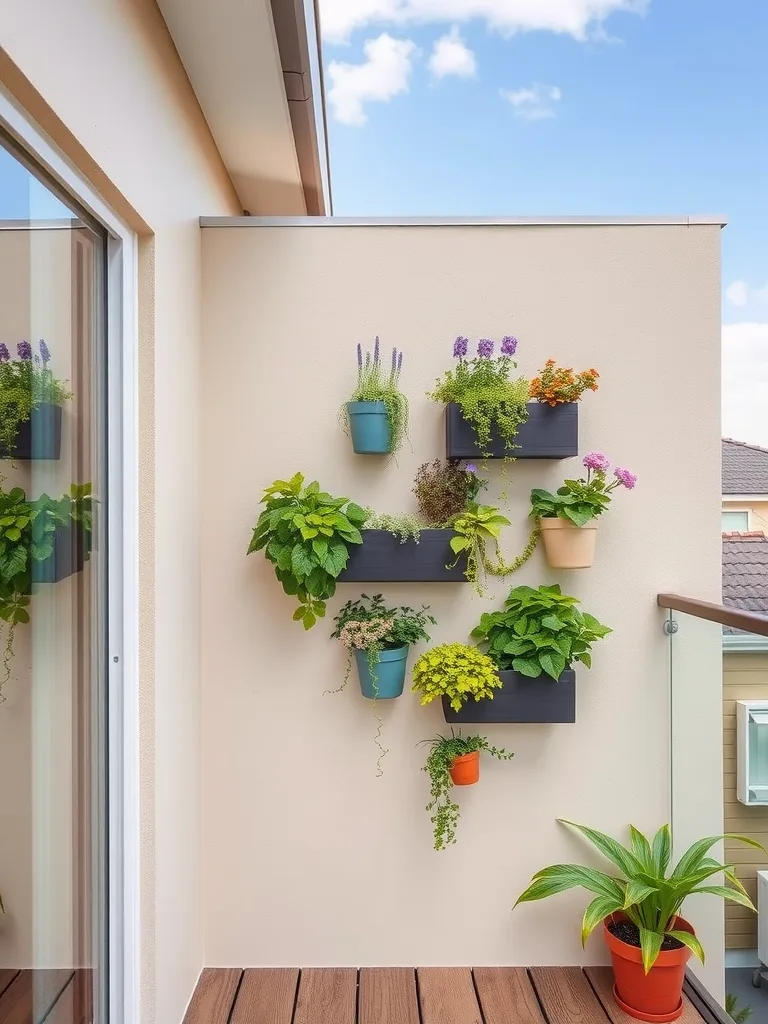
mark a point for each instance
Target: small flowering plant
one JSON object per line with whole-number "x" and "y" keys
{"x": 485, "y": 391}
{"x": 556, "y": 385}
{"x": 583, "y": 499}
{"x": 25, "y": 382}
{"x": 377, "y": 383}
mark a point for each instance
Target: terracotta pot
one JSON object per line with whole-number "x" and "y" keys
{"x": 465, "y": 770}
{"x": 568, "y": 546}
{"x": 658, "y": 995}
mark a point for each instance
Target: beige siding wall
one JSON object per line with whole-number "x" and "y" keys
{"x": 745, "y": 677}
{"x": 758, "y": 512}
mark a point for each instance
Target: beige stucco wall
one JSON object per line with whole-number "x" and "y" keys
{"x": 104, "y": 78}
{"x": 758, "y": 512}
{"x": 308, "y": 858}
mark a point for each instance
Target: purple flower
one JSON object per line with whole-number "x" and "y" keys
{"x": 470, "y": 468}
{"x": 376, "y": 350}
{"x": 37, "y": 360}
{"x": 625, "y": 478}
{"x": 5, "y": 355}
{"x": 598, "y": 461}
{"x": 359, "y": 355}
{"x": 45, "y": 352}
{"x": 400, "y": 362}
{"x": 485, "y": 348}
{"x": 394, "y": 360}
{"x": 508, "y": 345}
{"x": 25, "y": 351}
{"x": 460, "y": 347}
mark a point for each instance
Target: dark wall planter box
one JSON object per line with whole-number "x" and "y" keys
{"x": 70, "y": 545}
{"x": 384, "y": 558}
{"x": 39, "y": 437}
{"x": 522, "y": 700}
{"x": 550, "y": 432}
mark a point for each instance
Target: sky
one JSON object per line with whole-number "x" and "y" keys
{"x": 566, "y": 107}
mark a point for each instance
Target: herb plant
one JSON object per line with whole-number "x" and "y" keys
{"x": 445, "y": 489}
{"x": 582, "y": 500}
{"x": 539, "y": 631}
{"x": 376, "y": 384}
{"x": 306, "y": 535}
{"x": 556, "y": 384}
{"x": 444, "y": 812}
{"x": 455, "y": 671}
{"x": 483, "y": 389}
{"x": 25, "y": 382}
{"x": 739, "y": 1015}
{"x": 648, "y": 893}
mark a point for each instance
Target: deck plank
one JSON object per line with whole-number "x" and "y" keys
{"x": 7, "y": 974}
{"x": 31, "y": 995}
{"x": 566, "y": 996}
{"x": 388, "y": 996}
{"x": 601, "y": 979}
{"x": 506, "y": 994}
{"x": 213, "y": 997}
{"x": 447, "y": 996}
{"x": 266, "y": 996}
{"x": 75, "y": 1004}
{"x": 327, "y": 995}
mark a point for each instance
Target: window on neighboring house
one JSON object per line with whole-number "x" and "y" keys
{"x": 735, "y": 522}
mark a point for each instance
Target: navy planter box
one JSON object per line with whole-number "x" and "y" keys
{"x": 39, "y": 437}
{"x": 550, "y": 432}
{"x": 522, "y": 699}
{"x": 384, "y": 558}
{"x": 69, "y": 550}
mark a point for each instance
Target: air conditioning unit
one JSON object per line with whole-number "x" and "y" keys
{"x": 752, "y": 753}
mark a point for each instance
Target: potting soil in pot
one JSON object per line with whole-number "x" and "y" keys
{"x": 629, "y": 933}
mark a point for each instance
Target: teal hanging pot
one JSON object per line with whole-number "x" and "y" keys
{"x": 388, "y": 677}
{"x": 370, "y": 429}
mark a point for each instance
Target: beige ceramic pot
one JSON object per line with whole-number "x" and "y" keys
{"x": 568, "y": 546}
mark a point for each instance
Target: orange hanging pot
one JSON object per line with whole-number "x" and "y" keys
{"x": 658, "y": 995}
{"x": 465, "y": 770}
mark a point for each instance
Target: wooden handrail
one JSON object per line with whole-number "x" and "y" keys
{"x": 736, "y": 618}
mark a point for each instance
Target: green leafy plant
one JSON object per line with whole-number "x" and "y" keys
{"x": 582, "y": 500}
{"x": 376, "y": 384}
{"x": 648, "y": 893}
{"x": 483, "y": 389}
{"x": 27, "y": 535}
{"x": 445, "y": 489}
{"x": 25, "y": 383}
{"x": 476, "y": 528}
{"x": 306, "y": 534}
{"x": 404, "y": 525}
{"x": 738, "y": 1015}
{"x": 540, "y": 631}
{"x": 443, "y": 810}
{"x": 455, "y": 671}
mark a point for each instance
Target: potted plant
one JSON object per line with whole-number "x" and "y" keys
{"x": 453, "y": 761}
{"x": 454, "y": 672}
{"x": 31, "y": 398}
{"x": 379, "y": 638}
{"x": 568, "y": 518}
{"x": 650, "y": 943}
{"x": 306, "y": 533}
{"x": 377, "y": 413}
{"x": 557, "y": 385}
{"x": 540, "y": 632}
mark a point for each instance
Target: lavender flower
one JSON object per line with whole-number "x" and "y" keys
{"x": 25, "y": 351}
{"x": 37, "y": 360}
{"x": 470, "y": 468}
{"x": 400, "y": 362}
{"x": 376, "y": 350}
{"x": 45, "y": 352}
{"x": 394, "y": 360}
{"x": 359, "y": 355}
{"x": 625, "y": 478}
{"x": 485, "y": 348}
{"x": 508, "y": 345}
{"x": 5, "y": 355}
{"x": 460, "y": 347}
{"x": 597, "y": 461}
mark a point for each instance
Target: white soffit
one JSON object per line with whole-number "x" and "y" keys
{"x": 230, "y": 54}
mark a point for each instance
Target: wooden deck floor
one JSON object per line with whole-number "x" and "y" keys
{"x": 398, "y": 995}
{"x": 55, "y": 997}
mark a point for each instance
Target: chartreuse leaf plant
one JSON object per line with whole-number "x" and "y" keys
{"x": 306, "y": 533}
{"x": 455, "y": 671}
{"x": 646, "y": 890}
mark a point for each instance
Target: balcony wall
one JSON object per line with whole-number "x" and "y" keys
{"x": 308, "y": 857}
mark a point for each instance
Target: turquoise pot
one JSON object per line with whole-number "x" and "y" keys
{"x": 369, "y": 426}
{"x": 389, "y": 669}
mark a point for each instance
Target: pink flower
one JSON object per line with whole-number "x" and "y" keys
{"x": 625, "y": 478}
{"x": 597, "y": 461}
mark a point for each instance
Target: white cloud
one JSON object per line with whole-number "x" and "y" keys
{"x": 736, "y": 293}
{"x": 533, "y": 103}
{"x": 451, "y": 56}
{"x": 577, "y": 18}
{"x": 385, "y": 73}
{"x": 745, "y": 382}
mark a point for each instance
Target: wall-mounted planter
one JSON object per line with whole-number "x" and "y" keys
{"x": 39, "y": 437}
{"x": 522, "y": 699}
{"x": 369, "y": 427}
{"x": 384, "y": 558}
{"x": 67, "y": 558}
{"x": 389, "y": 670}
{"x": 550, "y": 432}
{"x": 568, "y": 546}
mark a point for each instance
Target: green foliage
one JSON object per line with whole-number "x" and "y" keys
{"x": 444, "y": 812}
{"x": 403, "y": 525}
{"x": 24, "y": 384}
{"x": 306, "y": 533}
{"x": 539, "y": 631}
{"x": 455, "y": 671}
{"x": 739, "y": 1016}
{"x": 445, "y": 489}
{"x": 576, "y": 500}
{"x": 648, "y": 893}
{"x": 374, "y": 384}
{"x": 475, "y": 528}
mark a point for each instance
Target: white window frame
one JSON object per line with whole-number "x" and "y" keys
{"x": 123, "y": 597}
{"x": 741, "y": 511}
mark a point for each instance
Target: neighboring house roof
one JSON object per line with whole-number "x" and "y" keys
{"x": 745, "y": 574}
{"x": 745, "y": 468}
